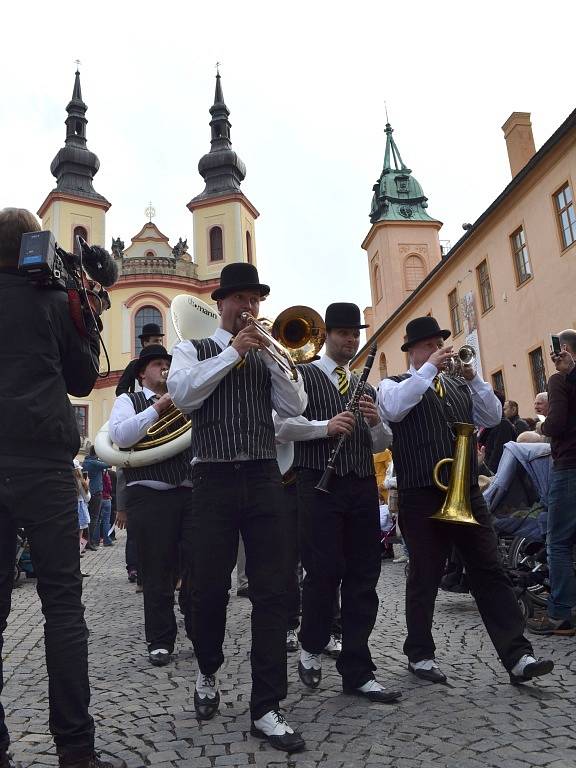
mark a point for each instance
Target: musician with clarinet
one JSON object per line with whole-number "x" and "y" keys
{"x": 339, "y": 521}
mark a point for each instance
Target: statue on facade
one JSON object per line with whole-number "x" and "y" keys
{"x": 117, "y": 248}
{"x": 180, "y": 248}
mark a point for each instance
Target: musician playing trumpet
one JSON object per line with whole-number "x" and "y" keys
{"x": 158, "y": 499}
{"x": 230, "y": 389}
{"x": 423, "y": 408}
{"x": 339, "y": 530}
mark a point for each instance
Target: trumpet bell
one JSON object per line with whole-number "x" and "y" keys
{"x": 301, "y": 330}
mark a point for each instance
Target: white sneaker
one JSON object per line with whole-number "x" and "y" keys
{"x": 401, "y": 559}
{"x": 310, "y": 660}
{"x": 273, "y": 724}
{"x": 334, "y": 647}
{"x": 207, "y": 686}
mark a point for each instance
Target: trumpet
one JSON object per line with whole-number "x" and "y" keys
{"x": 276, "y": 351}
{"x": 464, "y": 358}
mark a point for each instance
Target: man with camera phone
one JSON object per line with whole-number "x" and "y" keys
{"x": 47, "y": 355}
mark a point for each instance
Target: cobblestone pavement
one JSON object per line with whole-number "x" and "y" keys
{"x": 146, "y": 714}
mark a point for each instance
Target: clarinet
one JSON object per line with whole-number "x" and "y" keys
{"x": 352, "y": 407}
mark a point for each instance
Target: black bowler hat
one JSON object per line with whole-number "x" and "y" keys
{"x": 151, "y": 352}
{"x": 343, "y": 315}
{"x": 150, "y": 329}
{"x": 239, "y": 276}
{"x": 422, "y": 328}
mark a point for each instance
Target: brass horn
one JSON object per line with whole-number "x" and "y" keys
{"x": 457, "y": 507}
{"x": 302, "y": 331}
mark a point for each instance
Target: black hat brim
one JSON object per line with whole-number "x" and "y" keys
{"x": 407, "y": 344}
{"x": 345, "y": 326}
{"x": 140, "y": 364}
{"x": 221, "y": 293}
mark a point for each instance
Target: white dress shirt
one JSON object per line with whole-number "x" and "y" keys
{"x": 126, "y": 428}
{"x": 192, "y": 381}
{"x": 397, "y": 398}
{"x": 300, "y": 428}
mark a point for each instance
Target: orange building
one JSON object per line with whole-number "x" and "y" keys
{"x": 504, "y": 287}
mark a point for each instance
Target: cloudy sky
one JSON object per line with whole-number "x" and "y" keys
{"x": 306, "y": 84}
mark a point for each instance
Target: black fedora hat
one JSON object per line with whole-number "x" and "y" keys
{"x": 150, "y": 329}
{"x": 422, "y": 328}
{"x": 239, "y": 276}
{"x": 343, "y": 315}
{"x": 151, "y": 352}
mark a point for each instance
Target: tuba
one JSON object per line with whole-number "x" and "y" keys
{"x": 457, "y": 507}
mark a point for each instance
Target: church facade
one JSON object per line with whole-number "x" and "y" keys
{"x": 503, "y": 288}
{"x": 151, "y": 270}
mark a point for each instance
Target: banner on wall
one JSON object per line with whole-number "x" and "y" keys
{"x": 471, "y": 327}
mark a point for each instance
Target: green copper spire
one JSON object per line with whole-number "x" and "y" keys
{"x": 397, "y": 194}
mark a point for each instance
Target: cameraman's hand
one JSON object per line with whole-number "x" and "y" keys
{"x": 162, "y": 404}
{"x": 342, "y": 424}
{"x": 563, "y": 361}
{"x": 246, "y": 339}
{"x": 441, "y": 357}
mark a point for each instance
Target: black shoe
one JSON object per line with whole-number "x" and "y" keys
{"x": 287, "y": 742}
{"x": 160, "y": 657}
{"x": 6, "y": 760}
{"x": 533, "y": 669}
{"x": 132, "y": 576}
{"x": 433, "y": 675}
{"x": 205, "y": 706}
{"x": 310, "y": 677}
{"x": 384, "y": 696}
{"x": 243, "y": 592}
{"x": 91, "y": 548}
{"x": 95, "y": 761}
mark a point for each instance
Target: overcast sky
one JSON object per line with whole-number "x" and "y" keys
{"x": 306, "y": 84}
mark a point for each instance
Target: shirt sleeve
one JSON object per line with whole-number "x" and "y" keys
{"x": 125, "y": 426}
{"x": 486, "y": 408}
{"x": 298, "y": 429}
{"x": 397, "y": 398}
{"x": 556, "y": 421}
{"x": 192, "y": 381}
{"x": 289, "y": 397}
{"x": 381, "y": 437}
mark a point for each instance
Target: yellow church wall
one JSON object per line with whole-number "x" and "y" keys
{"x": 62, "y": 216}
{"x": 234, "y": 220}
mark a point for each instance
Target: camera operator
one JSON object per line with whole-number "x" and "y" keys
{"x": 45, "y": 358}
{"x": 560, "y": 426}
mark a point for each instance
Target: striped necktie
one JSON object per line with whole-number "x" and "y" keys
{"x": 439, "y": 386}
{"x": 343, "y": 384}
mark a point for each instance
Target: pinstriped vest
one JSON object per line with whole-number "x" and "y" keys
{"x": 173, "y": 471}
{"x": 237, "y": 417}
{"x": 324, "y": 402}
{"x": 424, "y": 436}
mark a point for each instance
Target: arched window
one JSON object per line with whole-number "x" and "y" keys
{"x": 216, "y": 247}
{"x": 78, "y": 232}
{"x": 249, "y": 247}
{"x": 377, "y": 284}
{"x": 150, "y": 254}
{"x": 143, "y": 316}
{"x": 383, "y": 366}
{"x": 414, "y": 272}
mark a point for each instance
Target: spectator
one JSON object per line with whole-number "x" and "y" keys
{"x": 541, "y": 411}
{"x": 106, "y": 509}
{"x": 560, "y": 426}
{"x": 83, "y": 499}
{"x": 95, "y": 469}
{"x": 492, "y": 439}
{"x": 511, "y": 413}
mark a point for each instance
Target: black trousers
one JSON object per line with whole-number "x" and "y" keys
{"x": 94, "y": 508}
{"x": 295, "y": 585}
{"x": 340, "y": 544}
{"x": 44, "y": 503}
{"x": 230, "y": 498}
{"x": 429, "y": 543}
{"x": 158, "y": 520}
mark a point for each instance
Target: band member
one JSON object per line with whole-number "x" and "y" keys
{"x": 151, "y": 334}
{"x": 157, "y": 500}
{"x": 340, "y": 531}
{"x": 230, "y": 385}
{"x": 421, "y": 406}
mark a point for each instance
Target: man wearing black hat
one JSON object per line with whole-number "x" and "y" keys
{"x": 421, "y": 407}
{"x": 158, "y": 499}
{"x": 229, "y": 385}
{"x": 151, "y": 334}
{"x": 339, "y": 531}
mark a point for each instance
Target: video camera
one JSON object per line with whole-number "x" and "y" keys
{"x": 48, "y": 265}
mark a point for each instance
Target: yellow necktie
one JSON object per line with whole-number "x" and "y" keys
{"x": 439, "y": 386}
{"x": 343, "y": 384}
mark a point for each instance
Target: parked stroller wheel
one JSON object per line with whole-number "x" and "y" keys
{"x": 527, "y": 555}
{"x": 526, "y": 606}
{"x": 17, "y": 574}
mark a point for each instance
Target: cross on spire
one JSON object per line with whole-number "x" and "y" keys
{"x": 77, "y": 62}
{"x": 150, "y": 211}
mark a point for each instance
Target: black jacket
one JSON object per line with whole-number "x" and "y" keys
{"x": 43, "y": 358}
{"x": 127, "y": 381}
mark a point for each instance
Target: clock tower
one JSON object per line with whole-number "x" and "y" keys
{"x": 402, "y": 245}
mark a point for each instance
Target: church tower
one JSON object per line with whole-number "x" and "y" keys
{"x": 402, "y": 244}
{"x": 74, "y": 206}
{"x": 223, "y": 217}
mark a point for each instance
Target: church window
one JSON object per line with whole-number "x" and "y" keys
{"x": 383, "y": 366}
{"x": 78, "y": 232}
{"x": 538, "y": 370}
{"x": 498, "y": 382}
{"x": 521, "y": 258}
{"x": 377, "y": 284}
{"x": 216, "y": 245}
{"x": 81, "y": 414}
{"x": 249, "y": 247}
{"x": 150, "y": 254}
{"x": 455, "y": 317}
{"x": 143, "y": 316}
{"x": 485, "y": 286}
{"x": 566, "y": 215}
{"x": 414, "y": 272}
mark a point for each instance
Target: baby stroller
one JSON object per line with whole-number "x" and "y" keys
{"x": 23, "y": 562}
